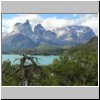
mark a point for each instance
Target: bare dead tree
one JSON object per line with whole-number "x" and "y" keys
{"x": 25, "y": 70}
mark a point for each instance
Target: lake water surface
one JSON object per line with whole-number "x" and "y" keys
{"x": 43, "y": 60}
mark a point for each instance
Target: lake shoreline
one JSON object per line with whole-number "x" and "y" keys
{"x": 32, "y": 54}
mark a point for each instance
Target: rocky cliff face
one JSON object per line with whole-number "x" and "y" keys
{"x": 22, "y": 36}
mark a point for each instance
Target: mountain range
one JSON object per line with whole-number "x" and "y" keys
{"x": 23, "y": 37}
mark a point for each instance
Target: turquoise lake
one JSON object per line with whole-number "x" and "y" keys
{"x": 43, "y": 60}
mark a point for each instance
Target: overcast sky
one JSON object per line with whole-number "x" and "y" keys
{"x": 50, "y": 21}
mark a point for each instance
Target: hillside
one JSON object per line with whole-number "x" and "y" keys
{"x": 91, "y": 45}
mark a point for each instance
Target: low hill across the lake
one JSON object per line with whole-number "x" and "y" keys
{"x": 91, "y": 45}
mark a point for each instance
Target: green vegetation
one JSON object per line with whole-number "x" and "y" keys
{"x": 78, "y": 66}
{"x": 40, "y": 50}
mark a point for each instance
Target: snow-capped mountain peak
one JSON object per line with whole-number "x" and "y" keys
{"x": 74, "y": 34}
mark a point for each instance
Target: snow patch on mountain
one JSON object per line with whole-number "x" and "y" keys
{"x": 73, "y": 34}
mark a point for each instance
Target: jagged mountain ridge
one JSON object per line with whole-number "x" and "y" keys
{"x": 22, "y": 36}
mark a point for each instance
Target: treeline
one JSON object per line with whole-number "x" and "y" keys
{"x": 41, "y": 50}
{"x": 76, "y": 67}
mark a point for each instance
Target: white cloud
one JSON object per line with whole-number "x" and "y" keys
{"x": 53, "y": 23}
{"x": 90, "y": 20}
{"x": 9, "y": 23}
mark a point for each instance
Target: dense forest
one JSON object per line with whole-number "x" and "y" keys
{"x": 77, "y": 66}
